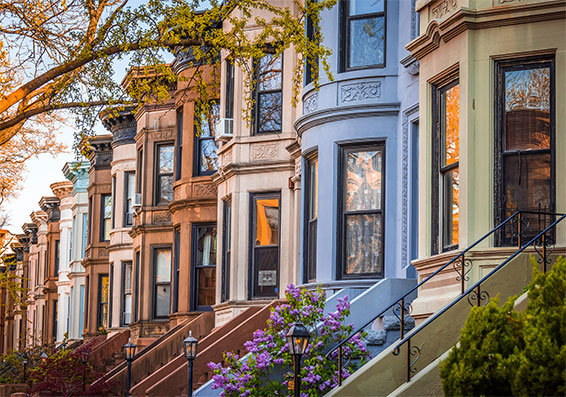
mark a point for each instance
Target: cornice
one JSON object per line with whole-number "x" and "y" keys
{"x": 38, "y": 217}
{"x": 252, "y": 168}
{"x": 179, "y": 205}
{"x": 468, "y": 19}
{"x": 50, "y": 205}
{"x": 121, "y": 123}
{"x": 62, "y": 189}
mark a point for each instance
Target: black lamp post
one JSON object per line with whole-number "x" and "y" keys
{"x": 129, "y": 352}
{"x": 190, "y": 347}
{"x": 85, "y": 354}
{"x": 25, "y": 367}
{"x": 298, "y": 340}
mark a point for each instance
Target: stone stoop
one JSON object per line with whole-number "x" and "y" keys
{"x": 231, "y": 337}
{"x": 107, "y": 355}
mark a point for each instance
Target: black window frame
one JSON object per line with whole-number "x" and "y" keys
{"x": 100, "y": 304}
{"x": 157, "y": 175}
{"x": 229, "y": 90}
{"x": 127, "y": 197}
{"x": 310, "y": 238}
{"x": 110, "y": 291}
{"x": 516, "y": 64}
{"x": 194, "y": 279}
{"x": 198, "y": 139}
{"x": 136, "y": 276}
{"x": 437, "y": 216}
{"x": 56, "y": 258}
{"x": 179, "y": 146}
{"x": 113, "y": 216}
{"x": 345, "y": 19}
{"x": 176, "y": 268}
{"x": 102, "y": 218}
{"x": 257, "y": 93}
{"x": 251, "y": 250}
{"x": 139, "y": 171}
{"x": 343, "y": 149}
{"x": 155, "y": 285}
{"x": 226, "y": 249}
{"x": 310, "y": 32}
{"x": 54, "y": 319}
{"x": 125, "y": 292}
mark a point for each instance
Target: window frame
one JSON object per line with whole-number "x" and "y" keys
{"x": 125, "y": 292}
{"x": 128, "y": 196}
{"x": 251, "y": 250}
{"x": 257, "y": 93}
{"x": 229, "y": 90}
{"x": 113, "y": 216}
{"x": 155, "y": 285}
{"x": 176, "y": 268}
{"x": 500, "y": 67}
{"x": 157, "y": 175}
{"x": 226, "y": 249}
{"x": 103, "y": 219}
{"x": 343, "y": 149}
{"x": 99, "y": 319}
{"x": 308, "y": 220}
{"x": 56, "y": 258}
{"x": 450, "y": 80}
{"x": 345, "y": 19}
{"x": 198, "y": 140}
{"x": 179, "y": 146}
{"x": 194, "y": 280}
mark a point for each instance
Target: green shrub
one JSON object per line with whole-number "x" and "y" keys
{"x": 502, "y": 352}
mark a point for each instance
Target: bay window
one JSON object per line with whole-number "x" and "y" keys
{"x": 206, "y": 158}
{"x": 268, "y": 96}
{"x": 311, "y": 216}
{"x": 164, "y": 155}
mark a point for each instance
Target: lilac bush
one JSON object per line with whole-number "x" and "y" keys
{"x": 268, "y": 369}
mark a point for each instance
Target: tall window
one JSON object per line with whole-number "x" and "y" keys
{"x": 446, "y": 177}
{"x": 362, "y": 207}
{"x": 57, "y": 259}
{"x": 176, "y": 260}
{"x": 206, "y": 159}
{"x": 312, "y": 36}
{"x": 226, "y": 250}
{"x": 524, "y": 170}
{"x": 136, "y": 285}
{"x": 106, "y": 218}
{"x": 229, "y": 110}
{"x": 113, "y": 201}
{"x": 139, "y": 171}
{"x": 110, "y": 294}
{"x": 54, "y": 320}
{"x": 264, "y": 267}
{"x": 179, "y": 142}
{"x": 81, "y": 308}
{"x": 129, "y": 191}
{"x": 89, "y": 229}
{"x": 363, "y": 34}
{"x": 164, "y": 173}
{"x": 268, "y": 94}
{"x": 103, "y": 289}
{"x": 204, "y": 266}
{"x": 311, "y": 216}
{"x": 126, "y": 293}
{"x": 161, "y": 282}
{"x": 85, "y": 235}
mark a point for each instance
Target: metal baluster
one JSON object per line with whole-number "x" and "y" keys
{"x": 402, "y": 317}
{"x": 544, "y": 252}
{"x": 409, "y": 360}
{"x": 478, "y": 296}
{"x": 519, "y": 230}
{"x": 463, "y": 273}
{"x": 340, "y": 366}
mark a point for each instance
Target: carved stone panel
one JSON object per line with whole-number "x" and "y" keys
{"x": 204, "y": 190}
{"x": 310, "y": 104}
{"x": 443, "y": 8}
{"x": 161, "y": 217}
{"x": 265, "y": 151}
{"x": 360, "y": 91}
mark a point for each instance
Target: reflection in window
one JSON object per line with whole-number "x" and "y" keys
{"x": 162, "y": 282}
{"x": 449, "y": 164}
{"x": 526, "y": 140}
{"x": 362, "y": 210}
{"x": 103, "y": 287}
{"x": 206, "y": 157}
{"x": 311, "y": 217}
{"x": 164, "y": 173}
{"x": 126, "y": 293}
{"x": 106, "y": 217}
{"x": 364, "y": 35}
{"x": 268, "y": 94}
{"x": 204, "y": 266}
{"x": 129, "y": 192}
{"x": 226, "y": 248}
{"x": 265, "y": 245}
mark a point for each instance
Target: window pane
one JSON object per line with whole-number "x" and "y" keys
{"x": 206, "y": 246}
{"x": 359, "y": 7}
{"x": 130, "y": 186}
{"x": 451, "y": 202}
{"x": 269, "y": 73}
{"x": 107, "y": 226}
{"x": 104, "y": 285}
{"x": 362, "y": 180}
{"x": 163, "y": 300}
{"x": 363, "y": 244}
{"x": 208, "y": 121}
{"x": 107, "y": 207}
{"x": 451, "y": 125}
{"x": 166, "y": 156}
{"x": 128, "y": 277}
{"x": 166, "y": 188}
{"x": 267, "y": 222}
{"x": 313, "y": 188}
{"x": 206, "y": 290}
{"x": 270, "y": 111}
{"x": 162, "y": 265}
{"x": 266, "y": 261}
{"x": 366, "y": 42}
{"x": 208, "y": 155}
{"x": 527, "y": 109}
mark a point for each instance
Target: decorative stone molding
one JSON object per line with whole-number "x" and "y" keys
{"x": 162, "y": 135}
{"x": 99, "y": 151}
{"x": 204, "y": 190}
{"x": 443, "y": 8}
{"x": 227, "y": 157}
{"x": 62, "y": 189}
{"x": 50, "y": 206}
{"x": 360, "y": 91}
{"x": 77, "y": 173}
{"x": 161, "y": 217}
{"x": 121, "y": 123}
{"x": 264, "y": 151}
{"x": 411, "y": 64}
{"x": 310, "y": 103}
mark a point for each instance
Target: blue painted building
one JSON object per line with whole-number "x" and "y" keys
{"x": 359, "y": 147}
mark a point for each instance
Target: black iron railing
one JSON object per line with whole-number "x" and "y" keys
{"x": 514, "y": 227}
{"x": 542, "y": 244}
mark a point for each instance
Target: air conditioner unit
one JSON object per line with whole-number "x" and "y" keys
{"x": 224, "y": 129}
{"x": 137, "y": 200}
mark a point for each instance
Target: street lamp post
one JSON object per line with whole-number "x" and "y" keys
{"x": 190, "y": 347}
{"x": 25, "y": 367}
{"x": 85, "y": 353}
{"x": 129, "y": 352}
{"x": 298, "y": 340}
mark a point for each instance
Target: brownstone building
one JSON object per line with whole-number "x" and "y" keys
{"x": 100, "y": 217}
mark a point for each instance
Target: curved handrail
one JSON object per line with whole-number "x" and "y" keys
{"x": 401, "y": 300}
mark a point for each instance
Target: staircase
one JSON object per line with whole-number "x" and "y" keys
{"x": 410, "y": 365}
{"x": 108, "y": 354}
